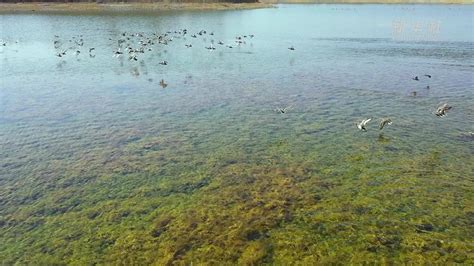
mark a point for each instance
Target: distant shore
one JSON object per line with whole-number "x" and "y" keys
{"x": 43, "y": 7}
{"x": 80, "y": 7}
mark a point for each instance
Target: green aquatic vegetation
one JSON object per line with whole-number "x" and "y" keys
{"x": 224, "y": 189}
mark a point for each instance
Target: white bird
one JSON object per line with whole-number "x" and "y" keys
{"x": 363, "y": 123}
{"x": 283, "y": 110}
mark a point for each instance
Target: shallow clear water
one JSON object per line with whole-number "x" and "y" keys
{"x": 100, "y": 164}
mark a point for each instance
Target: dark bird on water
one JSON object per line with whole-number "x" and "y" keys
{"x": 164, "y": 63}
{"x": 416, "y": 78}
{"x": 426, "y": 75}
{"x": 163, "y": 84}
{"x": 291, "y": 48}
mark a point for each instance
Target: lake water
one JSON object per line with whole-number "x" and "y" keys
{"x": 101, "y": 164}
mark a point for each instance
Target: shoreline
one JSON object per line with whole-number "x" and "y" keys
{"x": 96, "y": 8}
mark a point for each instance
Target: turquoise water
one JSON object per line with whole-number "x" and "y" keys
{"x": 100, "y": 164}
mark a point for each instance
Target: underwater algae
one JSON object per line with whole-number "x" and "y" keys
{"x": 251, "y": 198}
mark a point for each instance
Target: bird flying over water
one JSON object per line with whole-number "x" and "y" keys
{"x": 362, "y": 125}
{"x": 61, "y": 54}
{"x": 384, "y": 122}
{"x": 442, "y": 110}
{"x": 283, "y": 110}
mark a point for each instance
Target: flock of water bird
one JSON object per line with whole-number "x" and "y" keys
{"x": 132, "y": 45}
{"x": 440, "y": 111}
